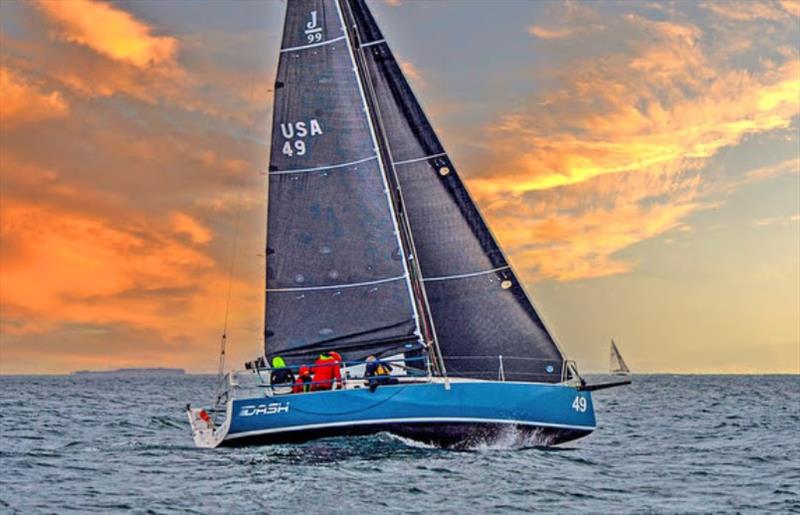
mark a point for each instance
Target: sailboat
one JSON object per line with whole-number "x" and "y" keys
{"x": 617, "y": 365}
{"x": 376, "y": 251}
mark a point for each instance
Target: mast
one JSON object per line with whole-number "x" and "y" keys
{"x": 398, "y": 206}
{"x": 613, "y": 364}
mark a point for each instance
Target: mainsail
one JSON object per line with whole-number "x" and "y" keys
{"x": 617, "y": 365}
{"x": 336, "y": 270}
{"x": 374, "y": 243}
{"x": 478, "y": 307}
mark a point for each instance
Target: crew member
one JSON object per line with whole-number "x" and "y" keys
{"x": 281, "y": 374}
{"x": 326, "y": 371}
{"x": 303, "y": 382}
{"x": 377, "y": 373}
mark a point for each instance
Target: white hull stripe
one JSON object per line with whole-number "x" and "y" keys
{"x": 339, "y": 286}
{"x": 376, "y": 42}
{"x": 303, "y": 47}
{"x": 407, "y": 161}
{"x": 326, "y": 167}
{"x": 460, "y": 276}
{"x": 405, "y": 421}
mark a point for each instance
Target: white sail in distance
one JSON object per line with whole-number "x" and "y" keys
{"x": 617, "y": 364}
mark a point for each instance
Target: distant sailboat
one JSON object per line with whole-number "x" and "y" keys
{"x": 617, "y": 365}
{"x": 375, "y": 250}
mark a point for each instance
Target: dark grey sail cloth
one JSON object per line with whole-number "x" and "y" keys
{"x": 336, "y": 279}
{"x": 478, "y": 306}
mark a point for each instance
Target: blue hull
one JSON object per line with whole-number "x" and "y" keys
{"x": 468, "y": 412}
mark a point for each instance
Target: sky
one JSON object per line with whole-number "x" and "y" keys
{"x": 638, "y": 161}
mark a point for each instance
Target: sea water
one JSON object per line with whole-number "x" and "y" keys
{"x": 665, "y": 444}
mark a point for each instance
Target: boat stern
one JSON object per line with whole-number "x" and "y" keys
{"x": 204, "y": 432}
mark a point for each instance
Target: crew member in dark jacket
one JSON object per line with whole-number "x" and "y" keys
{"x": 377, "y": 373}
{"x": 281, "y": 374}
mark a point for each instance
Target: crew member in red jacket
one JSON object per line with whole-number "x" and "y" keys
{"x": 303, "y": 382}
{"x": 327, "y": 370}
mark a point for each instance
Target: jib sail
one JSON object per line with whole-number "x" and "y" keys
{"x": 337, "y": 276}
{"x": 477, "y": 304}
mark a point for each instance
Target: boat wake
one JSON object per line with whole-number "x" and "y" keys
{"x": 508, "y": 438}
{"x": 408, "y": 442}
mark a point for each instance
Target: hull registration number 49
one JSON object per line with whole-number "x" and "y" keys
{"x": 579, "y": 404}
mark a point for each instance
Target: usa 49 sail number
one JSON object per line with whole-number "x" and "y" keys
{"x": 579, "y": 404}
{"x": 294, "y": 134}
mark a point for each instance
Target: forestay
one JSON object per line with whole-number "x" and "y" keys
{"x": 336, "y": 273}
{"x": 478, "y": 306}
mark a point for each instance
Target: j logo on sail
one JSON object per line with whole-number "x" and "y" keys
{"x": 313, "y": 32}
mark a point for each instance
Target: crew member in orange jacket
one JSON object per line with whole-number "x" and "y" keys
{"x": 326, "y": 371}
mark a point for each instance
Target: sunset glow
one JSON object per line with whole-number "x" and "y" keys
{"x": 639, "y": 162}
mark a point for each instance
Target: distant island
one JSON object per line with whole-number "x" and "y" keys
{"x": 132, "y": 372}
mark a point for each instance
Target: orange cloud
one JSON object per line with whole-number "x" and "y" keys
{"x": 233, "y": 166}
{"x": 767, "y": 172}
{"x": 413, "y": 73}
{"x": 21, "y": 101}
{"x": 83, "y": 290}
{"x": 109, "y": 31}
{"x": 57, "y": 262}
{"x": 124, "y": 56}
{"x": 68, "y": 49}
{"x": 550, "y": 33}
{"x": 613, "y": 152}
{"x": 574, "y": 232}
{"x": 749, "y": 11}
{"x": 623, "y": 137}
{"x": 776, "y": 220}
{"x": 791, "y": 6}
{"x": 88, "y": 274}
{"x": 185, "y": 224}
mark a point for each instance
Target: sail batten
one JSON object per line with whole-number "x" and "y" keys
{"x": 325, "y": 167}
{"x": 417, "y": 159}
{"x": 464, "y": 276}
{"x": 345, "y": 285}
